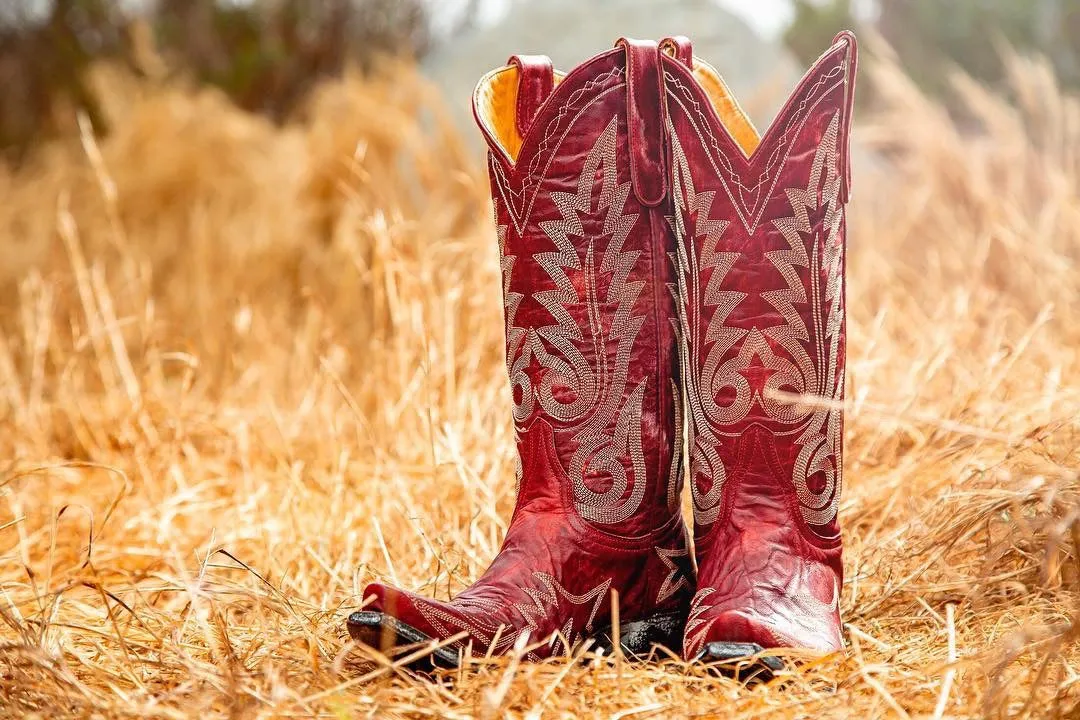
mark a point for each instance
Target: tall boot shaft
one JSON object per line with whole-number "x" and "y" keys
{"x": 761, "y": 248}
{"x": 580, "y": 193}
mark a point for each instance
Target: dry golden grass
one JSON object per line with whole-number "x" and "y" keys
{"x": 245, "y": 370}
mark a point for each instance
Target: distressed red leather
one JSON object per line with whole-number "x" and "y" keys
{"x": 586, "y": 253}
{"x": 761, "y": 287}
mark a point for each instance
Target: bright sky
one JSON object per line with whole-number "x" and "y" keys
{"x": 768, "y": 17}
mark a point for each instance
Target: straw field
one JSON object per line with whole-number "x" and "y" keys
{"x": 246, "y": 369}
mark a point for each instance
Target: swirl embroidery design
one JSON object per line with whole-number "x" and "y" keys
{"x": 567, "y": 369}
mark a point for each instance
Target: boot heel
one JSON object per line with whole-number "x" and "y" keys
{"x": 640, "y": 638}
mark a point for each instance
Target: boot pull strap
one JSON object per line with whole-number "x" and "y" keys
{"x": 536, "y": 80}
{"x": 850, "y": 75}
{"x": 680, "y": 48}
{"x": 646, "y": 120}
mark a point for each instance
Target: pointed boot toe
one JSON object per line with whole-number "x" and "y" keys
{"x": 397, "y": 622}
{"x": 378, "y": 624}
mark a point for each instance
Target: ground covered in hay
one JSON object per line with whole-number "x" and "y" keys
{"x": 246, "y": 369}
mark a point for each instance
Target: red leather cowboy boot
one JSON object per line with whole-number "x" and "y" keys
{"x": 761, "y": 283}
{"x": 578, "y": 169}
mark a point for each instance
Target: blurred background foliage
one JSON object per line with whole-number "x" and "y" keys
{"x": 929, "y": 36}
{"x": 267, "y": 54}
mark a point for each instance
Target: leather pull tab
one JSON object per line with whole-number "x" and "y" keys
{"x": 536, "y": 80}
{"x": 680, "y": 48}
{"x": 851, "y": 72}
{"x": 646, "y": 120}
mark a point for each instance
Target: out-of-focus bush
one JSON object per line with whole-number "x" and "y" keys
{"x": 265, "y": 54}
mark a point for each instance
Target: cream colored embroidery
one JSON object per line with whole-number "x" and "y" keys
{"x": 750, "y": 201}
{"x": 473, "y": 615}
{"x": 810, "y": 362}
{"x": 549, "y": 596}
{"x": 697, "y": 625}
{"x": 473, "y": 619}
{"x": 821, "y": 374}
{"x": 671, "y": 585}
{"x": 703, "y": 381}
{"x": 675, "y": 471}
{"x": 519, "y": 203}
{"x": 585, "y": 390}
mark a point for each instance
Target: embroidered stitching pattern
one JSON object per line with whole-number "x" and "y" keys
{"x": 472, "y": 615}
{"x": 603, "y": 414}
{"x": 820, "y": 427}
{"x": 704, "y": 381}
{"x": 697, "y": 622}
{"x": 531, "y": 179}
{"x": 547, "y": 597}
{"x": 750, "y": 216}
{"x": 670, "y": 585}
{"x": 472, "y": 620}
{"x": 822, "y": 375}
{"x": 675, "y": 472}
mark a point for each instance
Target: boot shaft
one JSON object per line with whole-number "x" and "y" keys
{"x": 760, "y": 254}
{"x": 602, "y": 183}
{"x": 761, "y": 286}
{"x": 578, "y": 169}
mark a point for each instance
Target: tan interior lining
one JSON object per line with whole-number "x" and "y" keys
{"x": 727, "y": 108}
{"x": 496, "y": 103}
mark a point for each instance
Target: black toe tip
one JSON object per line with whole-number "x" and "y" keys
{"x": 367, "y": 627}
{"x": 365, "y": 619}
{"x": 388, "y": 634}
{"x": 745, "y": 659}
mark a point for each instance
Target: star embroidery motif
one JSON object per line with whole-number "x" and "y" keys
{"x": 757, "y": 374}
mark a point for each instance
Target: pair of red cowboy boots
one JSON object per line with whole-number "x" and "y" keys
{"x": 674, "y": 289}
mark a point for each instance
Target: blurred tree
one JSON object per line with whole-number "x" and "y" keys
{"x": 266, "y": 54}
{"x": 43, "y": 64}
{"x": 930, "y": 34}
{"x": 815, "y": 24}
